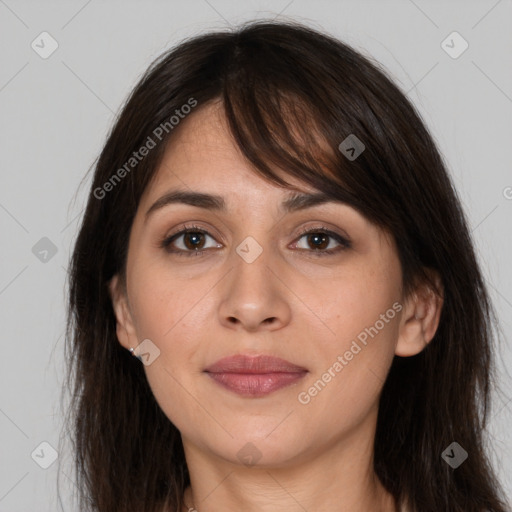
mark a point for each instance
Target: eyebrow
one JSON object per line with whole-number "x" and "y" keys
{"x": 294, "y": 202}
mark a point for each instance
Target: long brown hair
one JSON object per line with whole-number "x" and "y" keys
{"x": 291, "y": 96}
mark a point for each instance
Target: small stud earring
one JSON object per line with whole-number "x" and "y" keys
{"x": 132, "y": 352}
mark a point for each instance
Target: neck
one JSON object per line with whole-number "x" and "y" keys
{"x": 376, "y": 499}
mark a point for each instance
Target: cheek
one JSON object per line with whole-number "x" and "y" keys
{"x": 350, "y": 374}
{"x": 358, "y": 300}
{"x": 362, "y": 314}
{"x": 169, "y": 376}
{"x": 170, "y": 320}
{"x": 171, "y": 317}
{"x": 162, "y": 301}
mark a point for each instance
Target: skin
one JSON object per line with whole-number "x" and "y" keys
{"x": 290, "y": 303}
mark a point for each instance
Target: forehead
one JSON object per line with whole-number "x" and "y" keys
{"x": 203, "y": 153}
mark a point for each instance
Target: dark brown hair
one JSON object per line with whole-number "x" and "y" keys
{"x": 291, "y": 95}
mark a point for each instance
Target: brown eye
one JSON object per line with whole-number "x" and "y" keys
{"x": 321, "y": 241}
{"x": 193, "y": 240}
{"x": 190, "y": 241}
{"x": 318, "y": 240}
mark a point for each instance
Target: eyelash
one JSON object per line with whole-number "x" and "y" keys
{"x": 167, "y": 241}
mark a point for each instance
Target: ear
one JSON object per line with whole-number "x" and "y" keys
{"x": 420, "y": 318}
{"x": 125, "y": 328}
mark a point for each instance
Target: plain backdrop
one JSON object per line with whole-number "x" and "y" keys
{"x": 56, "y": 111}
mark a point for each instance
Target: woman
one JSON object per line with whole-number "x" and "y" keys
{"x": 272, "y": 232}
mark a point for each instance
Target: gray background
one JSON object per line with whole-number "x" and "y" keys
{"x": 56, "y": 112}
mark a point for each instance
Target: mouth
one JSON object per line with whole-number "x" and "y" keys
{"x": 254, "y": 376}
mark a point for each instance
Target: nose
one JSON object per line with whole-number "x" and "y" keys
{"x": 254, "y": 298}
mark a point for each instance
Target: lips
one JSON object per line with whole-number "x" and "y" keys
{"x": 253, "y": 364}
{"x": 254, "y": 376}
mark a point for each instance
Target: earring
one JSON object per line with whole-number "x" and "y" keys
{"x": 134, "y": 354}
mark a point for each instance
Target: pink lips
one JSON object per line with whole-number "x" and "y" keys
{"x": 254, "y": 376}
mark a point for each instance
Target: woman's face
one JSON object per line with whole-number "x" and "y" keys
{"x": 260, "y": 287}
